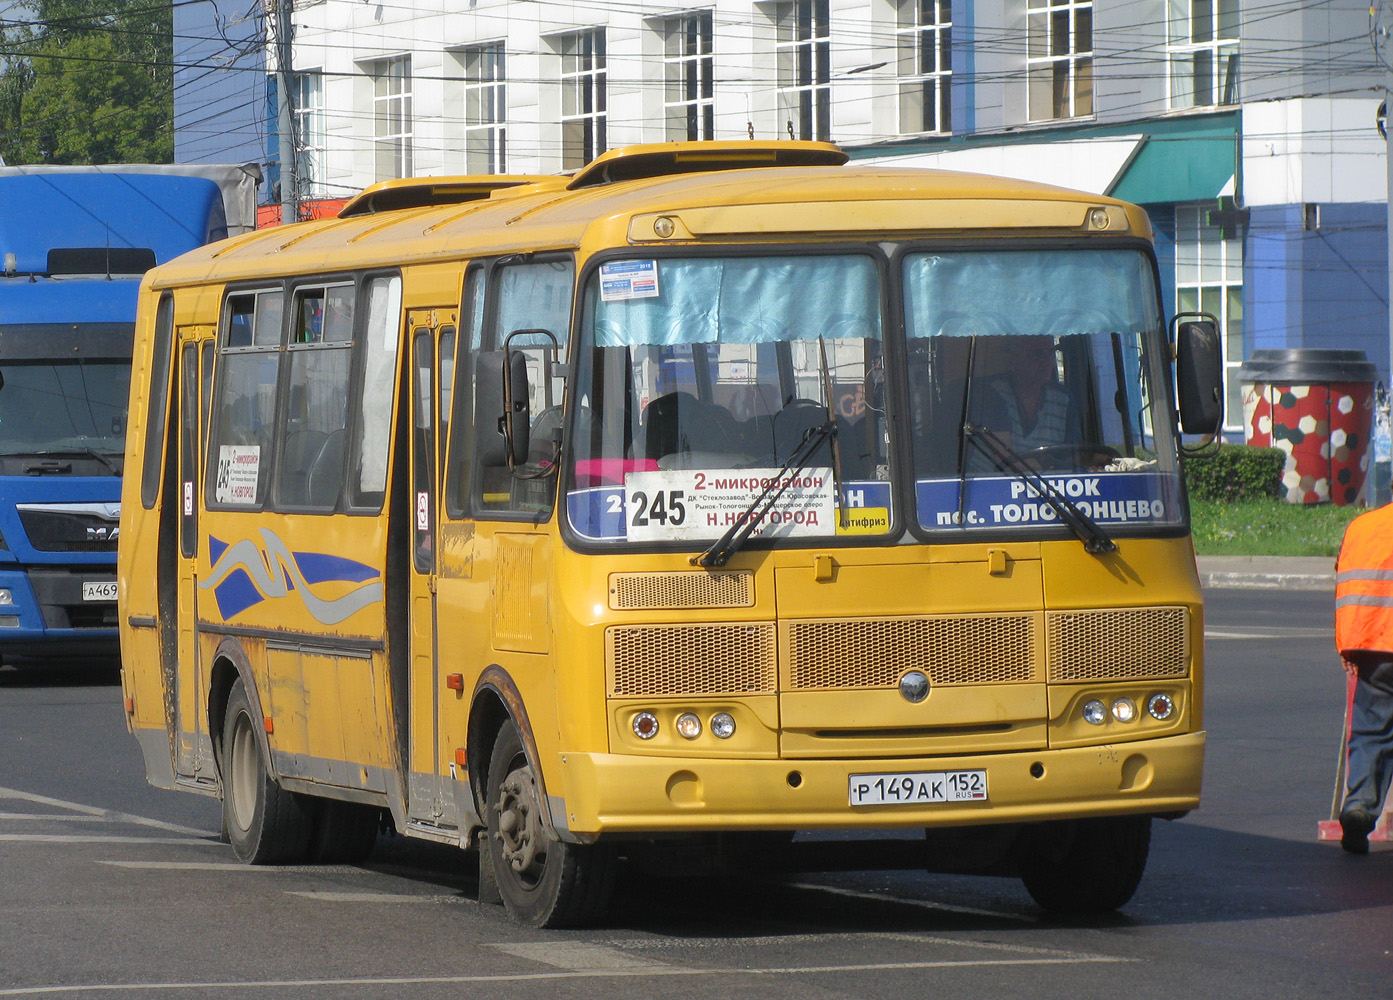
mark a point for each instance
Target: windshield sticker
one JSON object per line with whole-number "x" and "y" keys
{"x": 239, "y": 468}
{"x": 609, "y": 513}
{"x": 628, "y": 279}
{"x": 1007, "y": 502}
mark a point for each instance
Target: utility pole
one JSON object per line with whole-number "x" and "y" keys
{"x": 283, "y": 32}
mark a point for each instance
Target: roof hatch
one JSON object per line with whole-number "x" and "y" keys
{"x": 423, "y": 192}
{"x": 662, "y": 159}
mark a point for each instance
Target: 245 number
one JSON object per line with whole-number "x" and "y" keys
{"x": 665, "y": 507}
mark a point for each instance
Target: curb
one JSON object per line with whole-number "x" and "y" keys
{"x": 1267, "y": 581}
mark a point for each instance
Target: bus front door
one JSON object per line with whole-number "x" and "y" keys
{"x": 432, "y": 354}
{"x": 194, "y": 750}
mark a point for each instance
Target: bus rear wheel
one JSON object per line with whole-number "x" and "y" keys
{"x": 265, "y": 824}
{"x": 1085, "y": 866}
{"x": 543, "y": 881}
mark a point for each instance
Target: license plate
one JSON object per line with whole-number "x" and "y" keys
{"x": 103, "y": 591}
{"x": 917, "y": 788}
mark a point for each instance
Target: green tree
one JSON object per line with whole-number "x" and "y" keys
{"x": 90, "y": 81}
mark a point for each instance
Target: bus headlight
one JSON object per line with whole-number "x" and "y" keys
{"x": 688, "y": 726}
{"x": 1095, "y": 713}
{"x": 723, "y": 725}
{"x": 1124, "y": 710}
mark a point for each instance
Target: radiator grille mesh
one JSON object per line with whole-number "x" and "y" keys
{"x": 680, "y": 591}
{"x": 692, "y": 659}
{"x": 1126, "y": 644}
{"x": 876, "y": 653}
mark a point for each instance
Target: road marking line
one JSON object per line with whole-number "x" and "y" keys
{"x": 63, "y": 817}
{"x": 577, "y": 956}
{"x": 107, "y": 814}
{"x": 196, "y": 866}
{"x": 647, "y": 970}
{"x": 74, "y": 838}
{"x": 921, "y": 903}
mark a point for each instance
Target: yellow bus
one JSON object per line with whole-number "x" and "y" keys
{"x": 716, "y": 491}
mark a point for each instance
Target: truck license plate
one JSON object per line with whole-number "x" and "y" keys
{"x": 104, "y": 590}
{"x": 917, "y": 788}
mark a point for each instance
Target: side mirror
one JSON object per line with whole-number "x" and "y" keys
{"x": 501, "y": 419}
{"x": 1199, "y": 375}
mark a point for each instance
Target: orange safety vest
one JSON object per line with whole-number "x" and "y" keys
{"x": 1364, "y": 584}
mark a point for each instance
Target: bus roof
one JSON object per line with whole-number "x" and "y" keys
{"x": 734, "y": 202}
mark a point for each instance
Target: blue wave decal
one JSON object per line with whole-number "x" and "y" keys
{"x": 245, "y": 574}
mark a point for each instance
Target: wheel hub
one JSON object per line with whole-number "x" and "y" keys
{"x": 519, "y": 834}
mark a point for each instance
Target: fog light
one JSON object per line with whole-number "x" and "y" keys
{"x": 688, "y": 726}
{"x": 1095, "y": 713}
{"x": 1160, "y": 706}
{"x": 645, "y": 725}
{"x": 5, "y": 596}
{"x": 723, "y": 725}
{"x": 1124, "y": 710}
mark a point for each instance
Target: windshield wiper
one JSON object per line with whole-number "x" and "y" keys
{"x": 729, "y": 543}
{"x": 66, "y": 453}
{"x": 832, "y": 439}
{"x": 1095, "y": 539}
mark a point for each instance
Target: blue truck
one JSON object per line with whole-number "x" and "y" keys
{"x": 74, "y": 242}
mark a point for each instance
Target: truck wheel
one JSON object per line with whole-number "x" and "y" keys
{"x": 543, "y": 881}
{"x": 265, "y": 824}
{"x": 344, "y": 832}
{"x": 1086, "y": 865}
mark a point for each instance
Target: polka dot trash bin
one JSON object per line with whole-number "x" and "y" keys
{"x": 1318, "y": 407}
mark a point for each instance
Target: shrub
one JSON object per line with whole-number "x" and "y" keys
{"x": 1234, "y": 473}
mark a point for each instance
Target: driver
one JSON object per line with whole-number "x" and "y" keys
{"x": 1025, "y": 404}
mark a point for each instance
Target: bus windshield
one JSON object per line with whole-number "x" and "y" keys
{"x": 1031, "y": 379}
{"x": 70, "y": 410}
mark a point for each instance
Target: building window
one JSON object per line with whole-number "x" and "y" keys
{"x": 1059, "y": 58}
{"x": 311, "y": 140}
{"x": 689, "y": 75}
{"x": 803, "y": 51}
{"x": 582, "y": 97}
{"x": 392, "y": 117}
{"x": 923, "y": 64}
{"x": 1209, "y": 278}
{"x": 1203, "y": 52}
{"x": 485, "y": 109}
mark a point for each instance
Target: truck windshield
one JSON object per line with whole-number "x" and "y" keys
{"x": 1046, "y": 361}
{"x": 700, "y": 377}
{"x": 70, "y": 410}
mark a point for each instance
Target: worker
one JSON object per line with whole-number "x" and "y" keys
{"x": 1364, "y": 638}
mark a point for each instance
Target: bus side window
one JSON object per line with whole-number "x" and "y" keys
{"x": 536, "y": 295}
{"x": 460, "y": 386}
{"x": 372, "y": 434}
{"x": 247, "y": 385}
{"x": 310, "y": 469}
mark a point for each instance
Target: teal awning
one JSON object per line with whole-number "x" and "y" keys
{"x": 1178, "y": 168}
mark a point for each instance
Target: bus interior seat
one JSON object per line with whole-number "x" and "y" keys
{"x": 678, "y": 421}
{"x": 296, "y": 459}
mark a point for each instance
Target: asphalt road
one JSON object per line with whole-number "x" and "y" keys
{"x": 109, "y": 888}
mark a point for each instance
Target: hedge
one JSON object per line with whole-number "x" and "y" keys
{"x": 1235, "y": 472}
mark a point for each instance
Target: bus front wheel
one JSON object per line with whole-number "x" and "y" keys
{"x": 265, "y": 824}
{"x": 543, "y": 881}
{"x": 1086, "y": 865}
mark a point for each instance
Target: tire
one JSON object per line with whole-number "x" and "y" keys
{"x": 543, "y": 881}
{"x": 344, "y": 832}
{"x": 1085, "y": 866}
{"x": 265, "y": 824}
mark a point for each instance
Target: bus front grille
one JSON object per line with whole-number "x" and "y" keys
{"x": 876, "y": 653}
{"x": 1118, "y": 644}
{"x": 652, "y": 660}
{"x": 684, "y": 591}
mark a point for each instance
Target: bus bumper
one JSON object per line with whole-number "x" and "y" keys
{"x": 627, "y": 794}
